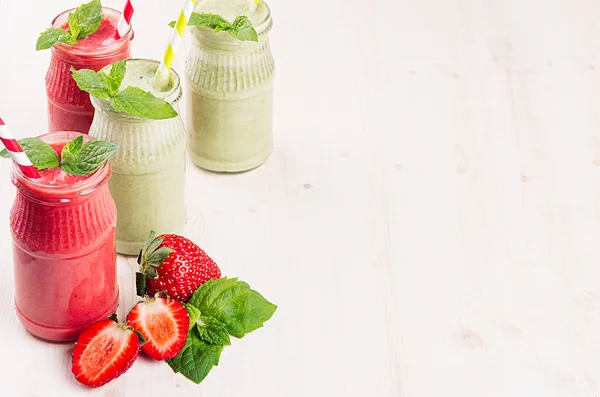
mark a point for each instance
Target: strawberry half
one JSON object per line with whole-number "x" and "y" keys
{"x": 103, "y": 352}
{"x": 164, "y": 323}
{"x": 174, "y": 265}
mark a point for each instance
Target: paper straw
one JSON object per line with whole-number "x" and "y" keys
{"x": 125, "y": 21}
{"x": 16, "y": 152}
{"x": 161, "y": 79}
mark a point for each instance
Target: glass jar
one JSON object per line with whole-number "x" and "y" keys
{"x": 148, "y": 178}
{"x": 64, "y": 252}
{"x": 230, "y": 114}
{"x": 69, "y": 108}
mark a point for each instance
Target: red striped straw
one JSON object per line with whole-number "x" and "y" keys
{"x": 125, "y": 20}
{"x": 16, "y": 152}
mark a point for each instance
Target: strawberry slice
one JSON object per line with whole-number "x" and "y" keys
{"x": 103, "y": 352}
{"x": 164, "y": 323}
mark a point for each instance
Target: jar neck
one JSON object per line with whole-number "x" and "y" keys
{"x": 39, "y": 193}
{"x": 91, "y": 60}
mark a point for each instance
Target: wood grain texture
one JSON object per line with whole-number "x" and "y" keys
{"x": 428, "y": 224}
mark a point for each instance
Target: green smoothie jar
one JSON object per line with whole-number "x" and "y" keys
{"x": 230, "y": 105}
{"x": 148, "y": 177}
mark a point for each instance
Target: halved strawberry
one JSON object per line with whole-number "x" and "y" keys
{"x": 103, "y": 352}
{"x": 164, "y": 323}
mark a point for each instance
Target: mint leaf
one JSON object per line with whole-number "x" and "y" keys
{"x": 71, "y": 150}
{"x": 226, "y": 26}
{"x": 72, "y": 169}
{"x": 89, "y": 158}
{"x": 74, "y": 27}
{"x": 131, "y": 100}
{"x": 94, "y": 154}
{"x": 95, "y": 83}
{"x": 137, "y": 102}
{"x": 115, "y": 76}
{"x": 212, "y": 331}
{"x": 194, "y": 314}
{"x": 240, "y": 29}
{"x": 83, "y": 22}
{"x": 86, "y": 19}
{"x": 52, "y": 36}
{"x": 243, "y": 29}
{"x": 209, "y": 21}
{"x": 41, "y": 154}
{"x": 196, "y": 359}
{"x": 243, "y": 313}
{"x": 214, "y": 287}
{"x": 233, "y": 303}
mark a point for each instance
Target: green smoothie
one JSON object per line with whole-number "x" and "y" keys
{"x": 230, "y": 110}
{"x": 148, "y": 177}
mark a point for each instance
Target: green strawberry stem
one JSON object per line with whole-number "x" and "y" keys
{"x": 149, "y": 259}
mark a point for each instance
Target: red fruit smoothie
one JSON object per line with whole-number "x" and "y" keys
{"x": 69, "y": 108}
{"x": 64, "y": 248}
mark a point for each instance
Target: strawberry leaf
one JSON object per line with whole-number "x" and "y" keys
{"x": 159, "y": 256}
{"x": 153, "y": 243}
{"x": 152, "y": 273}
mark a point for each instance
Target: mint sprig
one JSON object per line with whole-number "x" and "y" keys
{"x": 240, "y": 29}
{"x": 217, "y": 309}
{"x": 86, "y": 19}
{"x": 130, "y": 100}
{"x": 88, "y": 158}
{"x": 77, "y": 158}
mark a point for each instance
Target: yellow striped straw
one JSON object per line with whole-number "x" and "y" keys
{"x": 161, "y": 79}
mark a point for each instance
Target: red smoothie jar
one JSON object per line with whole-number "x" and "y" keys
{"x": 69, "y": 108}
{"x": 64, "y": 248}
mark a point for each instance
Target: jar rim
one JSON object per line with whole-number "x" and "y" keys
{"x": 79, "y": 188}
{"x": 107, "y": 50}
{"x": 261, "y": 27}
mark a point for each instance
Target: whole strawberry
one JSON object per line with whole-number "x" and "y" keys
{"x": 173, "y": 264}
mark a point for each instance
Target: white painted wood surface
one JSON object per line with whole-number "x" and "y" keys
{"x": 429, "y": 223}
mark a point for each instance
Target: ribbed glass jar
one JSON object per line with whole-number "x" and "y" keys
{"x": 69, "y": 108}
{"x": 64, "y": 251}
{"x": 148, "y": 178}
{"x": 230, "y": 105}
